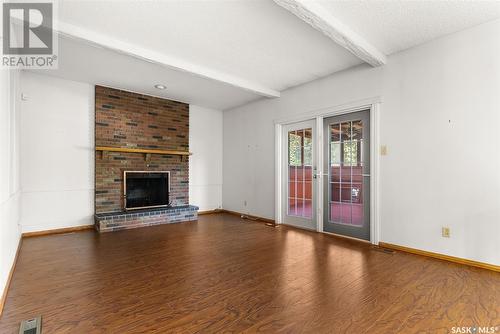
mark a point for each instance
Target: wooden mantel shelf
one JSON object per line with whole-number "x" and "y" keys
{"x": 141, "y": 150}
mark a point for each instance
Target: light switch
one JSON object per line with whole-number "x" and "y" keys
{"x": 383, "y": 150}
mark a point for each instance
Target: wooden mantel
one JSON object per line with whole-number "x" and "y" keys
{"x": 140, "y": 150}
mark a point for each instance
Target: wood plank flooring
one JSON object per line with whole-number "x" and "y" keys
{"x": 224, "y": 274}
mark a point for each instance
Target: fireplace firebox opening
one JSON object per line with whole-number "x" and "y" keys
{"x": 146, "y": 189}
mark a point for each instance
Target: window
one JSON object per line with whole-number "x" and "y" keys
{"x": 345, "y": 144}
{"x": 300, "y": 148}
{"x": 351, "y": 153}
{"x": 300, "y": 173}
{"x": 307, "y": 151}
{"x": 294, "y": 149}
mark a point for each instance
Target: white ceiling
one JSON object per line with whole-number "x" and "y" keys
{"x": 86, "y": 63}
{"x": 255, "y": 40}
{"x": 393, "y": 26}
{"x": 233, "y": 52}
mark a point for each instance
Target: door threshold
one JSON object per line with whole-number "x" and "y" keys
{"x": 300, "y": 227}
{"x": 347, "y": 237}
{"x": 328, "y": 233}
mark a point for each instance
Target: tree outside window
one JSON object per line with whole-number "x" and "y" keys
{"x": 294, "y": 149}
{"x": 299, "y": 148}
{"x": 350, "y": 153}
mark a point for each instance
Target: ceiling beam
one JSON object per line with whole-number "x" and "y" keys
{"x": 321, "y": 19}
{"x": 102, "y": 41}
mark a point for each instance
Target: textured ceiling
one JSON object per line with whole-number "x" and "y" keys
{"x": 393, "y": 26}
{"x": 256, "y": 41}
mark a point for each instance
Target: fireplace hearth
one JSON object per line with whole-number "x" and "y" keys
{"x": 116, "y": 221}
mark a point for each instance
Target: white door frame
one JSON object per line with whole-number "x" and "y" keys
{"x": 373, "y": 104}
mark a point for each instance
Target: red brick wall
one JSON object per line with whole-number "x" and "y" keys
{"x": 125, "y": 119}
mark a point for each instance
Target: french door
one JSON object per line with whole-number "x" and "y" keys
{"x": 346, "y": 183}
{"x": 299, "y": 173}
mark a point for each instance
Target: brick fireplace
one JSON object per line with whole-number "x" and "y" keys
{"x": 127, "y": 124}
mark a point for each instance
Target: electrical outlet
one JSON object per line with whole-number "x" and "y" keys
{"x": 445, "y": 232}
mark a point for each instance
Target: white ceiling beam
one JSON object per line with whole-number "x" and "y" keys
{"x": 151, "y": 56}
{"x": 321, "y": 19}
{"x": 100, "y": 40}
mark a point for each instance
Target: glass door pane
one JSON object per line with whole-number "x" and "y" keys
{"x": 346, "y": 165}
{"x": 347, "y": 159}
{"x": 299, "y": 183}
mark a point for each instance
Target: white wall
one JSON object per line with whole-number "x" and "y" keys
{"x": 205, "y": 165}
{"x": 9, "y": 173}
{"x": 439, "y": 119}
{"x": 57, "y": 153}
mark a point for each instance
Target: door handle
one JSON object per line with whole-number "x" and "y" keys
{"x": 365, "y": 175}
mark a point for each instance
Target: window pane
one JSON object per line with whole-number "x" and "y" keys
{"x": 335, "y": 212}
{"x": 357, "y": 196}
{"x": 308, "y": 190}
{"x": 291, "y": 189}
{"x": 357, "y": 215}
{"x": 307, "y": 151}
{"x": 294, "y": 149}
{"x": 357, "y": 130}
{"x": 346, "y": 169}
{"x": 300, "y": 208}
{"x": 335, "y": 174}
{"x": 291, "y": 207}
{"x": 335, "y": 154}
{"x": 300, "y": 173}
{"x": 345, "y": 131}
{"x": 345, "y": 174}
{"x": 350, "y": 153}
{"x": 346, "y": 211}
{"x": 300, "y": 189}
{"x": 308, "y": 208}
{"x": 357, "y": 175}
{"x": 345, "y": 194}
{"x": 335, "y": 192}
{"x": 335, "y": 133}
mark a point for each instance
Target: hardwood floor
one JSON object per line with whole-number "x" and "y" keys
{"x": 224, "y": 274}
